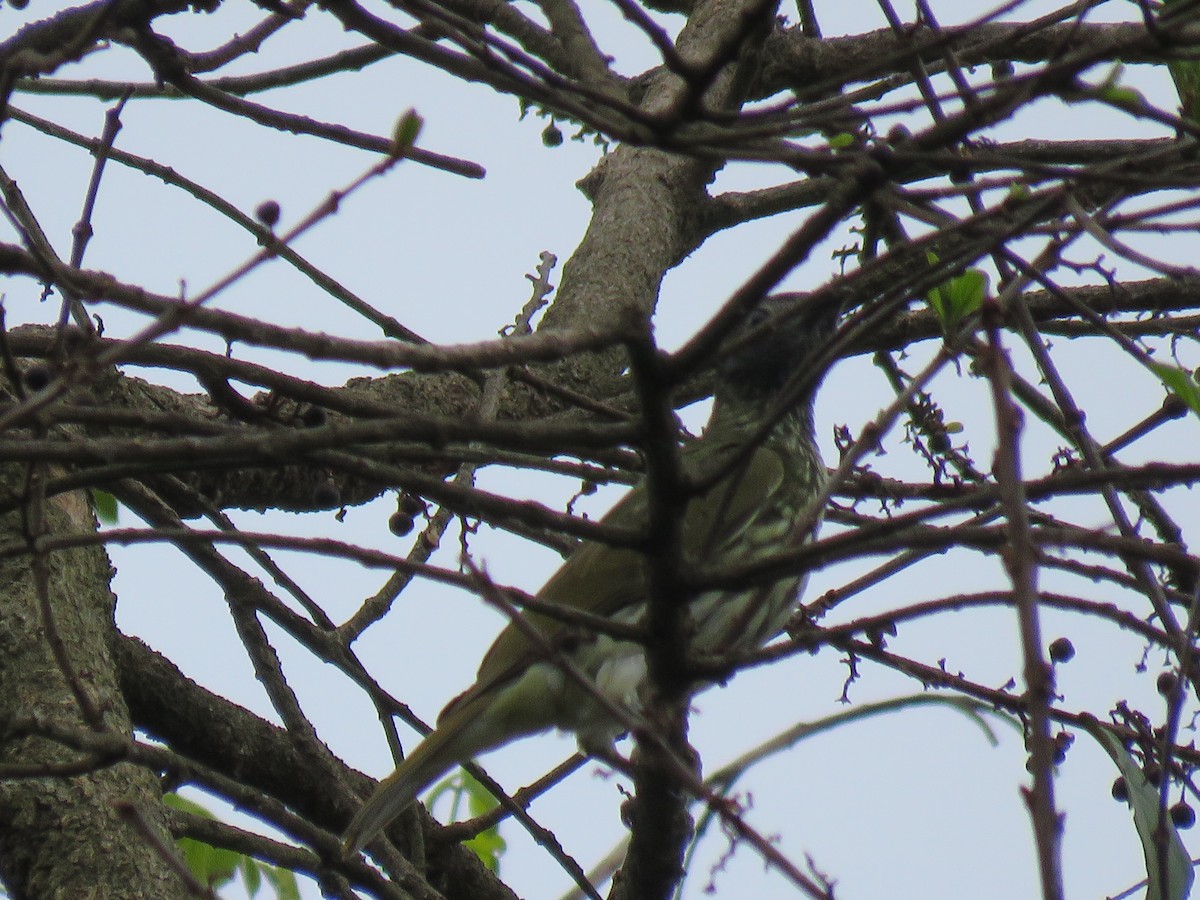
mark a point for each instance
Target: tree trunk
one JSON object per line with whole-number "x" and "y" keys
{"x": 80, "y": 836}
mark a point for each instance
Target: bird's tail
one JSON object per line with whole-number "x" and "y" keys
{"x": 454, "y": 740}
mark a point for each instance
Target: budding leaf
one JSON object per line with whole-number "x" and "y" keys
{"x": 105, "y": 505}
{"x": 1123, "y": 96}
{"x": 957, "y": 298}
{"x": 405, "y": 134}
{"x": 1180, "y": 383}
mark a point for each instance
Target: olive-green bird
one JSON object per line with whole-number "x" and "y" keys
{"x": 748, "y": 511}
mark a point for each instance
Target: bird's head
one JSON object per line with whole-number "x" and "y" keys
{"x": 781, "y": 338}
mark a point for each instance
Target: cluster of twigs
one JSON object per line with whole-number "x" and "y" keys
{"x": 969, "y": 251}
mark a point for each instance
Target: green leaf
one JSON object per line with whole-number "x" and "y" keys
{"x": 841, "y": 141}
{"x": 105, "y": 505}
{"x": 1179, "y": 381}
{"x": 216, "y": 866}
{"x": 488, "y": 845}
{"x": 1018, "y": 192}
{"x": 1186, "y": 75}
{"x": 1148, "y": 817}
{"x": 1110, "y": 90}
{"x": 251, "y": 875}
{"x": 283, "y": 881}
{"x": 479, "y": 798}
{"x": 957, "y": 298}
{"x": 404, "y": 136}
{"x": 967, "y": 291}
{"x": 213, "y": 866}
{"x": 1123, "y": 96}
{"x": 175, "y": 801}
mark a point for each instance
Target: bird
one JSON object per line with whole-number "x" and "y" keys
{"x": 758, "y": 467}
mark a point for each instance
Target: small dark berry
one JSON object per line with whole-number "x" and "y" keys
{"x": 314, "y": 417}
{"x": 1182, "y": 815}
{"x": 898, "y": 135}
{"x": 399, "y": 524}
{"x": 552, "y": 135}
{"x": 1120, "y": 789}
{"x": 1153, "y": 774}
{"x": 1062, "y": 650}
{"x": 18, "y": 4}
{"x": 37, "y": 377}
{"x": 1002, "y": 68}
{"x": 939, "y": 442}
{"x": 411, "y": 505}
{"x": 268, "y": 212}
{"x": 1168, "y": 684}
{"x": 327, "y": 494}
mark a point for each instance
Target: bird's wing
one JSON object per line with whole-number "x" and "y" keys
{"x": 602, "y": 580}
{"x": 717, "y": 520}
{"x": 597, "y": 578}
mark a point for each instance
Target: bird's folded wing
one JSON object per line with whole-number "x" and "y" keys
{"x": 602, "y": 580}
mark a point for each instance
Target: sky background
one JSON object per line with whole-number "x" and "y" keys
{"x": 910, "y": 805}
